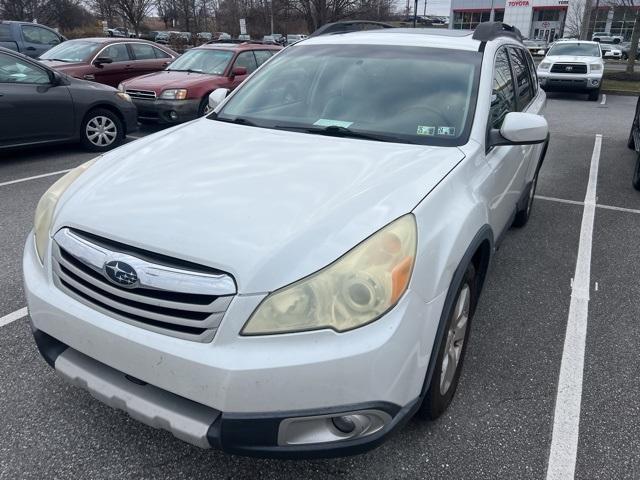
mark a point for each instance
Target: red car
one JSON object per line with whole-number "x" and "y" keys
{"x": 180, "y": 93}
{"x": 108, "y": 60}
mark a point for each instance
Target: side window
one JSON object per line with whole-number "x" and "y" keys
{"x": 523, "y": 77}
{"x": 117, "y": 52}
{"x": 532, "y": 72}
{"x": 246, "y": 60}
{"x": 142, "y": 51}
{"x": 262, "y": 56}
{"x": 503, "y": 99}
{"x": 160, "y": 53}
{"x": 35, "y": 34}
{"x": 14, "y": 70}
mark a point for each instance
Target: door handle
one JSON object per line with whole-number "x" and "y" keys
{"x": 30, "y": 48}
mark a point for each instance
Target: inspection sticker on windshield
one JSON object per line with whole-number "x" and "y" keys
{"x": 325, "y": 122}
{"x": 447, "y": 131}
{"x": 423, "y": 130}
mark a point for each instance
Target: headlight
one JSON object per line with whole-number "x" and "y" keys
{"x": 174, "y": 94}
{"x": 595, "y": 67}
{"x": 124, "y": 96}
{"x": 47, "y": 205}
{"x": 356, "y": 289}
{"x": 544, "y": 66}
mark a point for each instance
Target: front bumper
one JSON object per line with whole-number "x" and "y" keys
{"x": 130, "y": 114}
{"x": 167, "y": 111}
{"x": 568, "y": 82}
{"x": 253, "y": 383}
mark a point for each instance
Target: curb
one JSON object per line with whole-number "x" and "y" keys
{"x": 626, "y": 93}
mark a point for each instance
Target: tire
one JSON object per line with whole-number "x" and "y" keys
{"x": 594, "y": 95}
{"x": 631, "y": 144}
{"x": 523, "y": 215}
{"x": 636, "y": 174}
{"x": 625, "y": 56}
{"x": 101, "y": 130}
{"x": 616, "y": 41}
{"x": 204, "y": 109}
{"x": 452, "y": 348}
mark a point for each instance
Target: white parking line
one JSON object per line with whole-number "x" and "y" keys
{"x": 598, "y": 205}
{"x": 19, "y": 180}
{"x": 566, "y": 421}
{"x": 13, "y": 316}
{"x": 604, "y": 99}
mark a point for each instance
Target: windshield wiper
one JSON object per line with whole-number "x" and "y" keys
{"x": 57, "y": 60}
{"x": 238, "y": 120}
{"x": 188, "y": 70}
{"x": 338, "y": 131}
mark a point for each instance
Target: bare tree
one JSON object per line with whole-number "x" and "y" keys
{"x": 134, "y": 11}
{"x": 574, "y": 21}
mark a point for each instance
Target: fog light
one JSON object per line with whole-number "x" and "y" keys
{"x": 173, "y": 115}
{"x": 332, "y": 427}
{"x": 595, "y": 82}
{"x": 344, "y": 424}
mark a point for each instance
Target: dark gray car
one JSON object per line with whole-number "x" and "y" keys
{"x": 40, "y": 105}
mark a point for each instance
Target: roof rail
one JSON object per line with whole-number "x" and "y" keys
{"x": 486, "y": 31}
{"x": 348, "y": 26}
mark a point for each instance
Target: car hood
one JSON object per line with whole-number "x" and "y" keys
{"x": 571, "y": 59}
{"x": 159, "y": 81}
{"x": 267, "y": 206}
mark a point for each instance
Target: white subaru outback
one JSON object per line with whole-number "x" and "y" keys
{"x": 295, "y": 274}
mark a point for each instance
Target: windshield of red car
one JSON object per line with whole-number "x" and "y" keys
{"x": 71, "y": 51}
{"x": 213, "y": 62}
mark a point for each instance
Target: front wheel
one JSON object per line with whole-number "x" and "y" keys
{"x": 451, "y": 349}
{"x": 636, "y": 174}
{"x": 523, "y": 215}
{"x": 594, "y": 95}
{"x": 101, "y": 130}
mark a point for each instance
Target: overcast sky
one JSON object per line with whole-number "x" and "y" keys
{"x": 434, "y": 7}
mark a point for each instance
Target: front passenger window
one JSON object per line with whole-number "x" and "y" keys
{"x": 246, "y": 60}
{"x": 503, "y": 99}
{"x": 523, "y": 78}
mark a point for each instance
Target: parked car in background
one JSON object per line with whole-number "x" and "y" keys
{"x": 610, "y": 51}
{"x": 244, "y": 37}
{"x": 31, "y": 39}
{"x": 150, "y": 35}
{"x": 120, "y": 32}
{"x": 40, "y": 105}
{"x": 204, "y": 36}
{"x": 185, "y": 36}
{"x": 536, "y": 47}
{"x": 108, "y": 60}
{"x": 634, "y": 144}
{"x": 605, "y": 37}
{"x": 573, "y": 65}
{"x": 295, "y": 38}
{"x": 296, "y": 275}
{"x": 625, "y": 47}
{"x": 180, "y": 93}
{"x": 221, "y": 36}
{"x": 163, "y": 37}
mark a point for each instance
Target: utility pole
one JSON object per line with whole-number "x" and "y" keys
{"x": 425, "y": 8}
{"x": 415, "y": 13}
{"x": 595, "y": 18}
{"x": 271, "y": 17}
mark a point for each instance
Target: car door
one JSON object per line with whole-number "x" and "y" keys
{"x": 247, "y": 60}
{"x": 507, "y": 162}
{"x": 119, "y": 69}
{"x": 38, "y": 40}
{"x": 32, "y": 108}
{"x": 148, "y": 59}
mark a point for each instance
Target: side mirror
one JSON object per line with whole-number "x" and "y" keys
{"x": 217, "y": 96}
{"x": 101, "y": 60}
{"x": 57, "y": 79}
{"x": 520, "y": 129}
{"x": 238, "y": 71}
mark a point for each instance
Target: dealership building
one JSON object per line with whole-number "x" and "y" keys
{"x": 544, "y": 19}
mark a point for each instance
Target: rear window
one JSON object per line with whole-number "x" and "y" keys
{"x": 5, "y": 33}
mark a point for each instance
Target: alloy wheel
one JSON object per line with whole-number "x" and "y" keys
{"x": 101, "y": 131}
{"x": 455, "y": 339}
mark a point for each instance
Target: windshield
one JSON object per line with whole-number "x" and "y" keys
{"x": 71, "y": 51}
{"x": 209, "y": 61}
{"x": 578, "y": 49}
{"x": 395, "y": 93}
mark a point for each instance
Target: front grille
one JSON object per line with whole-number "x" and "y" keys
{"x": 142, "y": 94}
{"x": 78, "y": 271}
{"x": 569, "y": 68}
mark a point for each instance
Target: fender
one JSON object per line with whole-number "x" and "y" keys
{"x": 484, "y": 234}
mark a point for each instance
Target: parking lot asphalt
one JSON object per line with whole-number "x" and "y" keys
{"x": 500, "y": 424}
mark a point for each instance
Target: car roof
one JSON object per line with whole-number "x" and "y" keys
{"x": 420, "y": 37}
{"x": 107, "y": 40}
{"x": 239, "y": 46}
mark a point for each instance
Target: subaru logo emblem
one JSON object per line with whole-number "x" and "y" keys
{"x": 121, "y": 273}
